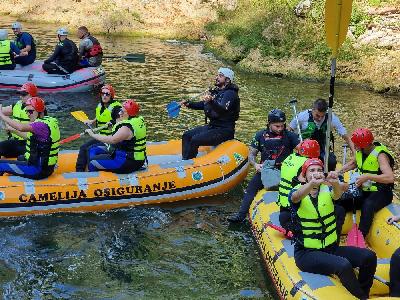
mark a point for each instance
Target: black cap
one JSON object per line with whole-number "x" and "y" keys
{"x": 276, "y": 116}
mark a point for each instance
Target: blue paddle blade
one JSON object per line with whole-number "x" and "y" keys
{"x": 173, "y": 109}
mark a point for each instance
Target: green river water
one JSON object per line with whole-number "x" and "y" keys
{"x": 174, "y": 251}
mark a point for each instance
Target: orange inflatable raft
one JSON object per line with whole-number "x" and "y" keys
{"x": 166, "y": 178}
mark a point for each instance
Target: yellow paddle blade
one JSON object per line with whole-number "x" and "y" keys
{"x": 337, "y": 19}
{"x": 80, "y": 115}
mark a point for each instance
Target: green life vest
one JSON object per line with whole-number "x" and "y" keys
{"x": 317, "y": 221}
{"x": 19, "y": 114}
{"x": 135, "y": 147}
{"x": 289, "y": 169}
{"x": 45, "y": 152}
{"x": 315, "y": 133}
{"x": 102, "y": 118}
{"x": 371, "y": 164}
{"x": 5, "y": 56}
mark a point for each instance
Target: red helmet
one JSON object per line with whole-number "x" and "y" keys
{"x": 311, "y": 162}
{"x": 37, "y": 103}
{"x": 110, "y": 88}
{"x": 131, "y": 106}
{"x": 30, "y": 88}
{"x": 309, "y": 148}
{"x": 362, "y": 137}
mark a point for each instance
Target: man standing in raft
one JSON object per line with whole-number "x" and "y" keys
{"x": 275, "y": 144}
{"x": 374, "y": 163}
{"x": 316, "y": 248}
{"x": 127, "y": 143}
{"x": 42, "y": 142}
{"x": 15, "y": 145}
{"x": 25, "y": 43}
{"x": 221, "y": 106}
{"x": 64, "y": 59}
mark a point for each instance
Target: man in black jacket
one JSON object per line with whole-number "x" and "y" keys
{"x": 64, "y": 59}
{"x": 221, "y": 107}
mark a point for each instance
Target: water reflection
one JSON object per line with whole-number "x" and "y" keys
{"x": 183, "y": 250}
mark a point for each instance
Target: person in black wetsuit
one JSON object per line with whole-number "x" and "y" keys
{"x": 64, "y": 59}
{"x": 221, "y": 107}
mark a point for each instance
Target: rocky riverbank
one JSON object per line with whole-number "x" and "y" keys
{"x": 282, "y": 39}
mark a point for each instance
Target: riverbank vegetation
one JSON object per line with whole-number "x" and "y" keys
{"x": 278, "y": 37}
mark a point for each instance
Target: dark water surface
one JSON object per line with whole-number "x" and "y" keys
{"x": 181, "y": 250}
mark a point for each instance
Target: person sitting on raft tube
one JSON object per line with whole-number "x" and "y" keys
{"x": 42, "y": 142}
{"x": 127, "y": 143}
{"x": 374, "y": 163}
{"x": 316, "y": 249}
{"x": 16, "y": 144}
{"x": 25, "y": 43}
{"x": 64, "y": 59}
{"x": 275, "y": 144}
{"x": 90, "y": 51}
{"x": 313, "y": 125}
{"x": 107, "y": 111}
{"x": 8, "y": 51}
{"x": 394, "y": 286}
{"x": 221, "y": 106}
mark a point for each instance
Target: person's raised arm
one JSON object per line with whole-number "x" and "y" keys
{"x": 24, "y": 127}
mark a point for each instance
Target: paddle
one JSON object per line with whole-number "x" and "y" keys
{"x": 80, "y": 115}
{"x": 337, "y": 18}
{"x": 287, "y": 234}
{"x": 132, "y": 57}
{"x": 78, "y": 135}
{"x": 293, "y": 103}
{"x": 174, "y": 107}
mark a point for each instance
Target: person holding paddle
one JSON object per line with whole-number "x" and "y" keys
{"x": 107, "y": 111}
{"x": 313, "y": 125}
{"x": 42, "y": 145}
{"x": 374, "y": 163}
{"x": 274, "y": 143}
{"x": 126, "y": 150}
{"x": 15, "y": 145}
{"x": 221, "y": 106}
{"x": 316, "y": 247}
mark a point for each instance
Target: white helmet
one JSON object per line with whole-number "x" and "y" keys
{"x": 3, "y": 34}
{"x": 16, "y": 25}
{"x": 62, "y": 31}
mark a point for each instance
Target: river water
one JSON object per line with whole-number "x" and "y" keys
{"x": 180, "y": 250}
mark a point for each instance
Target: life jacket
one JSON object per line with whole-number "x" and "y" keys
{"x": 274, "y": 147}
{"x": 289, "y": 170}
{"x": 5, "y": 53}
{"x": 19, "y": 114}
{"x": 135, "y": 148}
{"x": 370, "y": 165}
{"x": 44, "y": 153}
{"x": 103, "y": 115}
{"x": 315, "y": 133}
{"x": 316, "y": 222}
{"x": 95, "y": 49}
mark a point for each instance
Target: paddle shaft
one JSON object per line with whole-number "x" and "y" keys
{"x": 330, "y": 105}
{"x": 293, "y": 102}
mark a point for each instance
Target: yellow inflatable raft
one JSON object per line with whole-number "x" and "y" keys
{"x": 289, "y": 281}
{"x": 167, "y": 178}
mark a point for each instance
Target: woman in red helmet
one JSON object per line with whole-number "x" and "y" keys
{"x": 126, "y": 152}
{"x": 42, "y": 142}
{"x": 374, "y": 162}
{"x": 15, "y": 145}
{"x": 106, "y": 113}
{"x": 316, "y": 249}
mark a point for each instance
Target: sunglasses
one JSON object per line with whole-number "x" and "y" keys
{"x": 22, "y": 93}
{"x": 30, "y": 111}
{"x": 105, "y": 94}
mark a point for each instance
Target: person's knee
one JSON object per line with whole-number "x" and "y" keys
{"x": 369, "y": 257}
{"x": 342, "y": 266}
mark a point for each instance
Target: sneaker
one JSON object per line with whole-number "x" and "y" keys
{"x": 236, "y": 218}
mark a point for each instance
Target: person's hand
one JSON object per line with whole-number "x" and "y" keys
{"x": 317, "y": 179}
{"x": 361, "y": 179}
{"x": 208, "y": 98}
{"x": 88, "y": 122}
{"x": 258, "y": 167}
{"x": 23, "y": 53}
{"x": 184, "y": 103}
{"x": 89, "y": 132}
{"x": 393, "y": 219}
{"x": 332, "y": 178}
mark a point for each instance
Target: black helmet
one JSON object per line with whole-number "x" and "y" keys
{"x": 276, "y": 116}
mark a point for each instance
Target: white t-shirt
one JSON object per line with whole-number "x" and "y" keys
{"x": 303, "y": 121}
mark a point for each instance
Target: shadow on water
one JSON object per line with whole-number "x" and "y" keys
{"x": 179, "y": 250}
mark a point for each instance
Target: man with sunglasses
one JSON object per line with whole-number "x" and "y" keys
{"x": 42, "y": 146}
{"x": 106, "y": 113}
{"x": 15, "y": 145}
{"x": 25, "y": 43}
